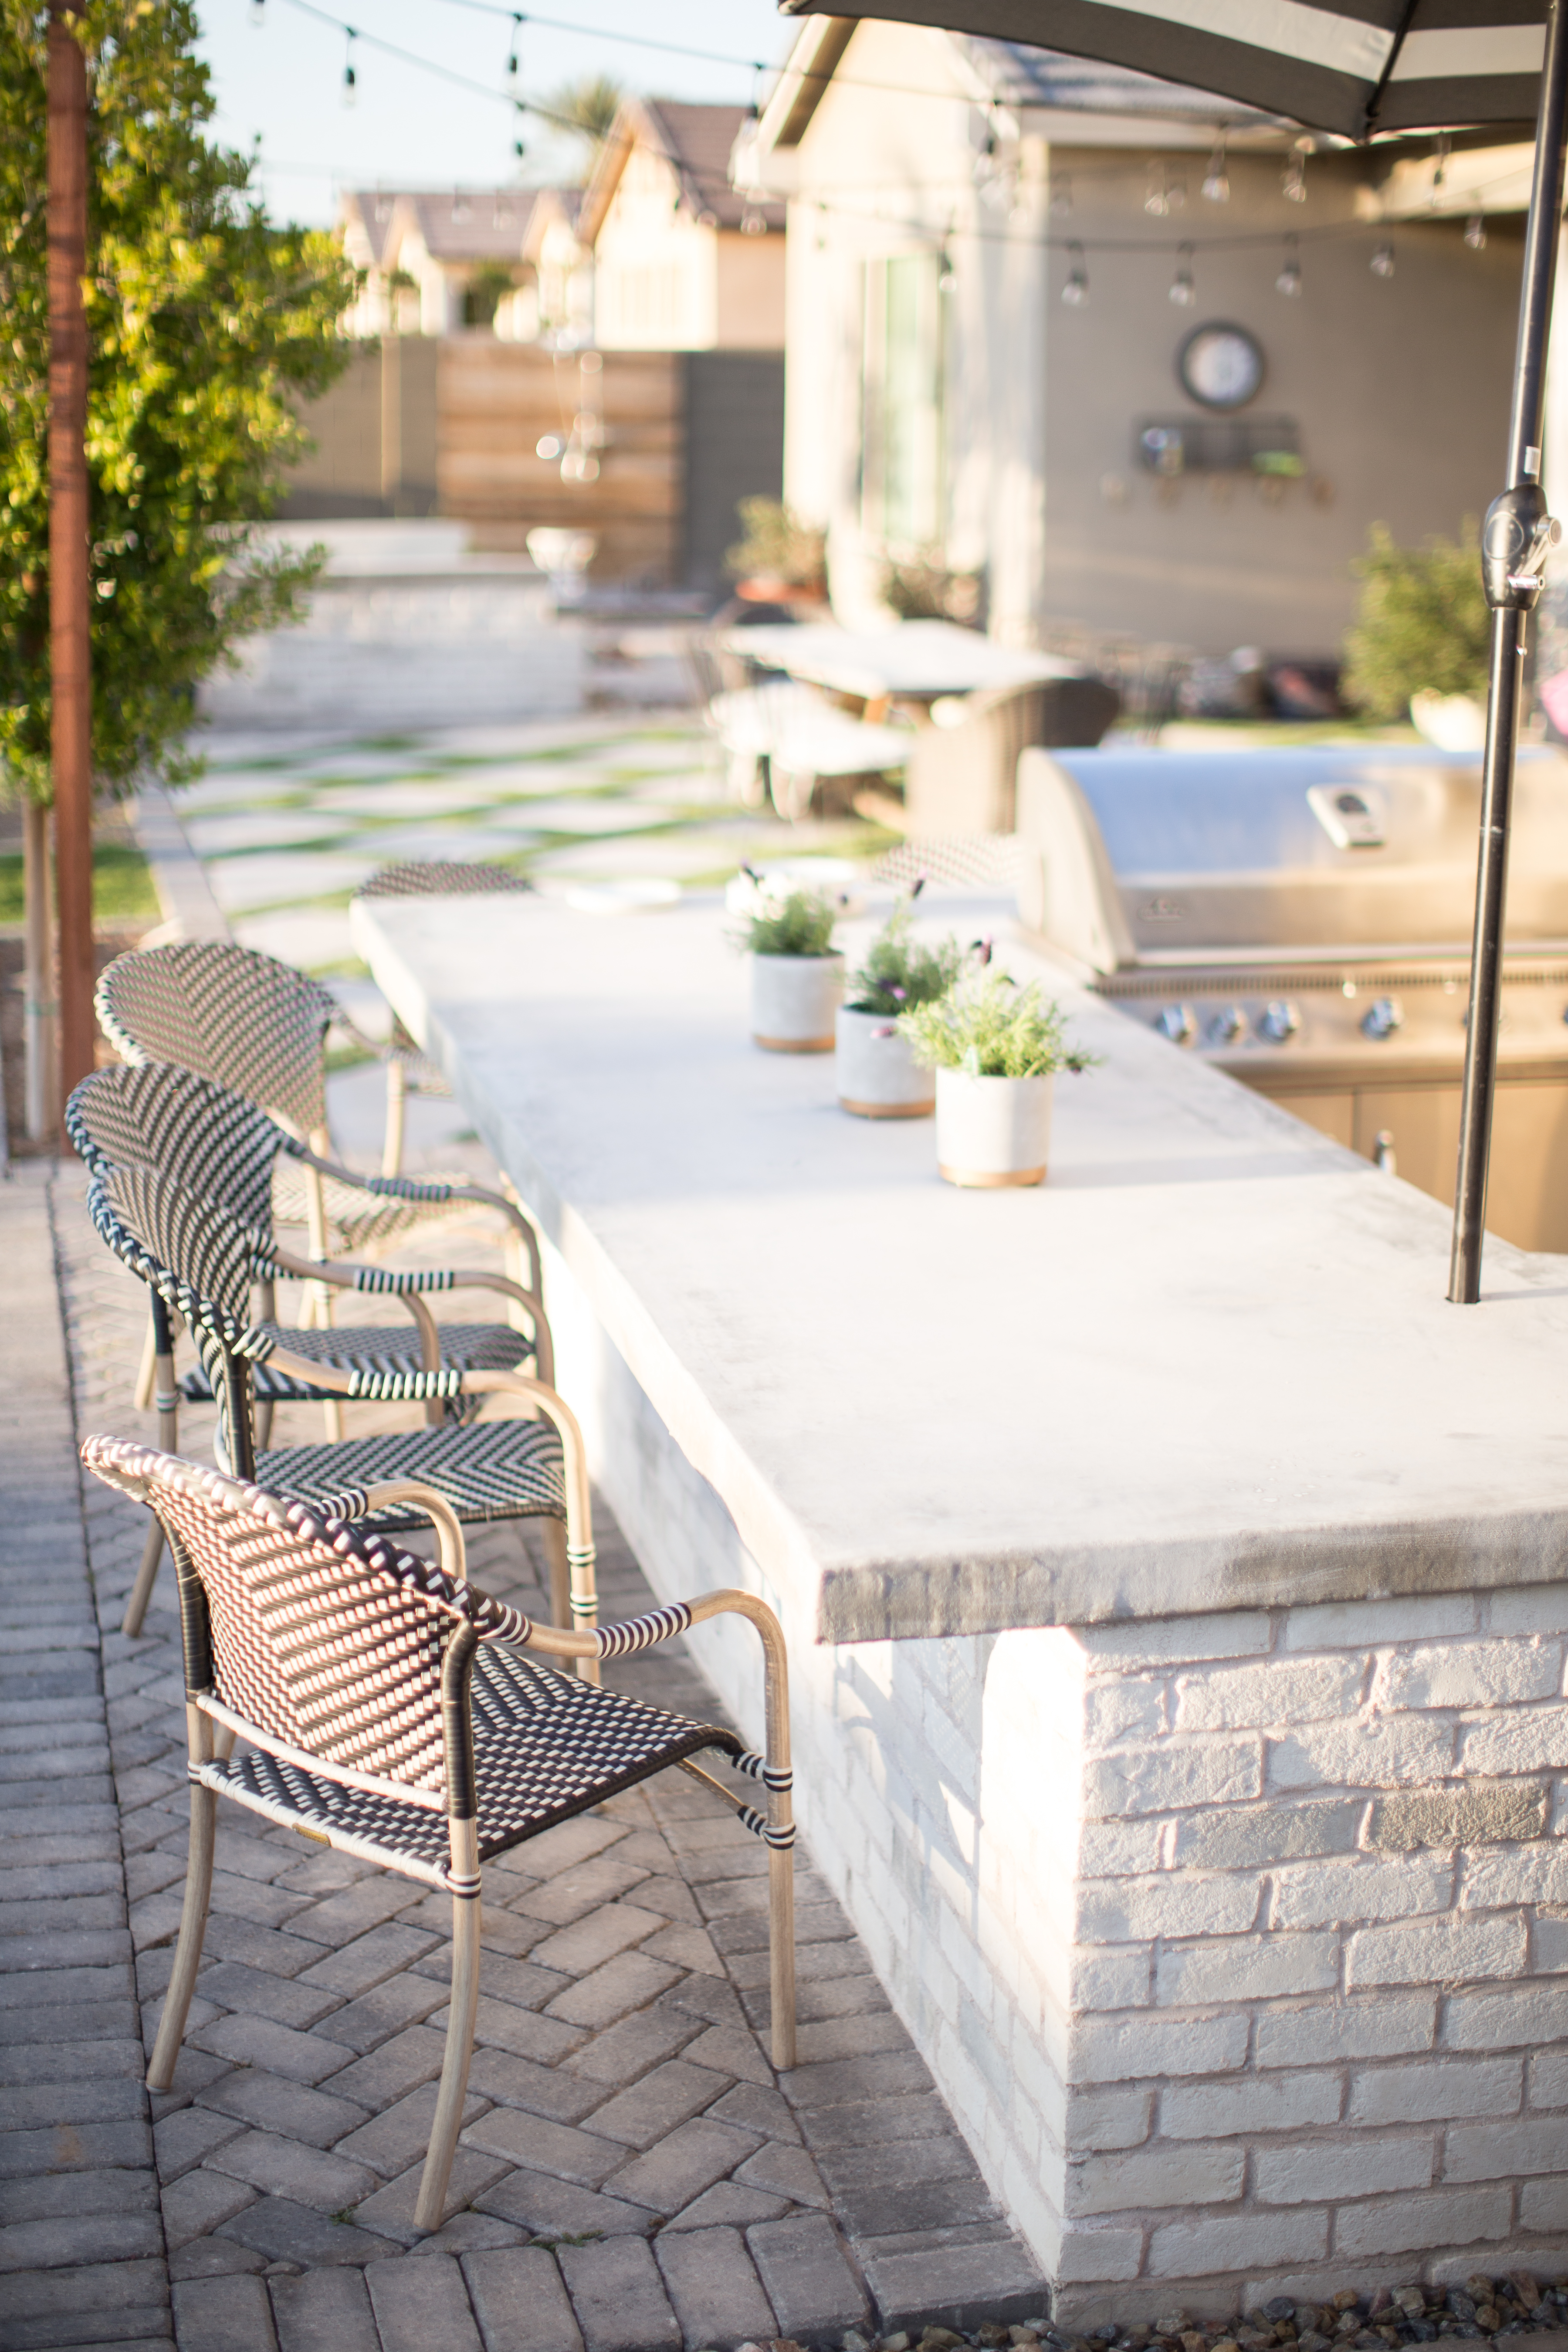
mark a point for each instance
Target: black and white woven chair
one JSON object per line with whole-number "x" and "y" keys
{"x": 389, "y": 1712}
{"x": 203, "y": 1263}
{"x": 221, "y": 1149}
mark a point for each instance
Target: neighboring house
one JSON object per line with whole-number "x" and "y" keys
{"x": 995, "y": 254}
{"x": 443, "y": 262}
{"x": 681, "y": 262}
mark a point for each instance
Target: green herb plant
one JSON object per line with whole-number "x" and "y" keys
{"x": 1421, "y": 626}
{"x": 989, "y": 1027}
{"x": 900, "y": 973}
{"x": 778, "y": 546}
{"x": 800, "y": 925}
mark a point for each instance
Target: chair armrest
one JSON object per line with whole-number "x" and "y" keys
{"x": 408, "y": 1188}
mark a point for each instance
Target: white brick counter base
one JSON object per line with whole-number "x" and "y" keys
{"x": 1238, "y": 1944}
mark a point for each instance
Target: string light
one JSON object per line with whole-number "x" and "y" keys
{"x": 1075, "y": 293}
{"x": 946, "y": 275}
{"x": 1165, "y": 194}
{"x": 512, "y": 53}
{"x": 753, "y": 223}
{"x": 1290, "y": 279}
{"x": 1476, "y": 233}
{"x": 1217, "y": 179}
{"x": 257, "y": 13}
{"x": 461, "y": 207}
{"x": 1382, "y": 261}
{"x": 1061, "y": 197}
{"x": 350, "y": 79}
{"x": 1440, "y": 172}
{"x": 1183, "y": 293}
{"x": 1294, "y": 181}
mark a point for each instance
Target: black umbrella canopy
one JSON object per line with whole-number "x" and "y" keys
{"x": 1361, "y": 68}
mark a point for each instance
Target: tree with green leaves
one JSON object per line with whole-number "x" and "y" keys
{"x": 206, "y": 327}
{"x": 587, "y": 106}
{"x": 1422, "y": 624}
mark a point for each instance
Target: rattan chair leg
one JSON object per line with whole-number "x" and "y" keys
{"x": 430, "y": 2211}
{"x": 146, "y": 1577}
{"x": 161, "y": 1339}
{"x": 396, "y": 1119}
{"x": 553, "y": 1535}
{"x": 188, "y": 1951}
{"x": 781, "y": 1955}
{"x": 147, "y": 1376}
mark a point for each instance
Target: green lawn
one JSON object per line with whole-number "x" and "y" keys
{"x": 122, "y": 886}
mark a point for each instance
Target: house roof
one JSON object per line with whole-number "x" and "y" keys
{"x": 455, "y": 225}
{"x": 695, "y": 141}
{"x": 1011, "y": 73}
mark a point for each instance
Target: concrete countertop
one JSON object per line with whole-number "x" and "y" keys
{"x": 1209, "y": 1365}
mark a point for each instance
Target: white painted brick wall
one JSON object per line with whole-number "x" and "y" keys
{"x": 1238, "y": 1944}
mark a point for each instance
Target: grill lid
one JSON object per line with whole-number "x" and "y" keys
{"x": 1163, "y": 859}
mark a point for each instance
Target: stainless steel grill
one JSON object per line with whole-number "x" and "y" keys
{"x": 1301, "y": 919}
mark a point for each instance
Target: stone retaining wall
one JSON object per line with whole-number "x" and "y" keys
{"x": 1236, "y": 1944}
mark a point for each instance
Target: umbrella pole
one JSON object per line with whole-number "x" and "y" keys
{"x": 1514, "y": 547}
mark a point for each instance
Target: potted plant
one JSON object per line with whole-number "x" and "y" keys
{"x": 878, "y": 1076}
{"x": 996, "y": 1048}
{"x": 797, "y": 975}
{"x": 1422, "y": 637}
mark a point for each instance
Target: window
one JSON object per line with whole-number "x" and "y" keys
{"x": 903, "y": 489}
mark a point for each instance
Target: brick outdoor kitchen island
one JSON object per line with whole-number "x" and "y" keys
{"x": 1175, "y": 1587}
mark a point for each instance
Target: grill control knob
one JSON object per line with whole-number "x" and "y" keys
{"x": 1278, "y": 1021}
{"x": 1382, "y": 1018}
{"x": 1227, "y": 1026}
{"x": 1177, "y": 1024}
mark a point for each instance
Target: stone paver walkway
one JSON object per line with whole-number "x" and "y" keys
{"x": 632, "y": 2175}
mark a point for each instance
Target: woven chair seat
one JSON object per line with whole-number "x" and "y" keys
{"x": 546, "y": 1746}
{"x": 498, "y": 1470}
{"x": 386, "y": 1352}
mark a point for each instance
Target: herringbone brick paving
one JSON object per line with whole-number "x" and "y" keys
{"x": 631, "y": 2173}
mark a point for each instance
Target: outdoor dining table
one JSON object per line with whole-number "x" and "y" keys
{"x": 913, "y": 661}
{"x": 1083, "y": 1507}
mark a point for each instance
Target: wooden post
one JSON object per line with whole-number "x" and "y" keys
{"x": 69, "y": 527}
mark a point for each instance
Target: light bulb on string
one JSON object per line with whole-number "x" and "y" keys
{"x": 1440, "y": 169}
{"x": 1382, "y": 261}
{"x": 946, "y": 275}
{"x": 1476, "y": 233}
{"x": 350, "y": 79}
{"x": 1183, "y": 293}
{"x": 1157, "y": 201}
{"x": 1075, "y": 293}
{"x": 1217, "y": 179}
{"x": 511, "y": 60}
{"x": 257, "y": 13}
{"x": 462, "y": 208}
{"x": 1061, "y": 196}
{"x": 1293, "y": 182}
{"x": 753, "y": 223}
{"x": 1289, "y": 282}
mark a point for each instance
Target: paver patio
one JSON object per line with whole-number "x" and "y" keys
{"x": 632, "y": 2175}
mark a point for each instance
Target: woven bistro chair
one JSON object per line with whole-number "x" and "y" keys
{"x": 409, "y": 1071}
{"x": 203, "y": 1263}
{"x": 222, "y": 1150}
{"x": 258, "y": 1028}
{"x": 390, "y": 1712}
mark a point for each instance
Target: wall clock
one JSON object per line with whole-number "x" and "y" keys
{"x": 1220, "y": 365}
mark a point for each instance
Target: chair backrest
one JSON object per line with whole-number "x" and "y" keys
{"x": 328, "y": 1639}
{"x": 163, "y": 1118}
{"x": 963, "y": 778}
{"x": 439, "y": 878}
{"x": 227, "y": 1013}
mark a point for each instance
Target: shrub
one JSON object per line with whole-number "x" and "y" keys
{"x": 899, "y": 973}
{"x": 991, "y": 1028}
{"x": 1422, "y": 623}
{"x": 778, "y": 546}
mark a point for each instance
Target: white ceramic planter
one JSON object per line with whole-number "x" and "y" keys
{"x": 992, "y": 1131}
{"x": 794, "y": 999}
{"x": 877, "y": 1076}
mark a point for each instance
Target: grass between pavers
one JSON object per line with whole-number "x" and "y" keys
{"x": 122, "y": 886}
{"x": 1500, "y": 2309}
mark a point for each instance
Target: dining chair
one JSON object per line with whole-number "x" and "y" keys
{"x": 221, "y": 1149}
{"x": 389, "y": 1710}
{"x": 203, "y": 1263}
